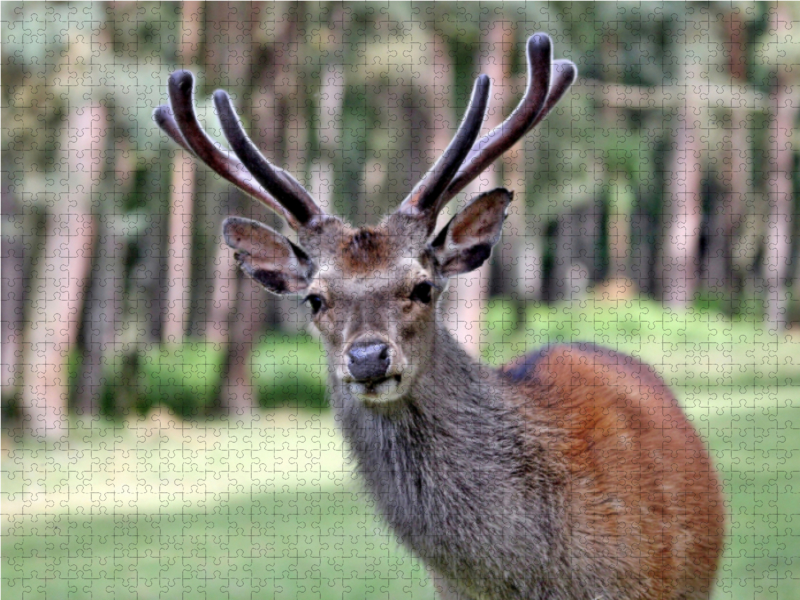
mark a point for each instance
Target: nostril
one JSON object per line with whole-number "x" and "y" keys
{"x": 368, "y": 360}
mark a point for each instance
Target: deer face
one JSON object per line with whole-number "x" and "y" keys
{"x": 373, "y": 301}
{"x": 372, "y": 291}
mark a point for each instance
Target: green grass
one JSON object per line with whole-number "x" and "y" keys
{"x": 157, "y": 508}
{"x": 286, "y": 545}
{"x": 268, "y": 507}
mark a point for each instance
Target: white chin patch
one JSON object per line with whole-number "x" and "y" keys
{"x": 384, "y": 390}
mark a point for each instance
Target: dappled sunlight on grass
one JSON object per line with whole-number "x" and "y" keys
{"x": 160, "y": 461}
{"x": 154, "y": 507}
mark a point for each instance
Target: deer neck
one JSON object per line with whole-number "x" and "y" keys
{"x": 450, "y": 382}
{"x": 453, "y": 377}
{"x": 448, "y": 415}
{"x": 456, "y": 441}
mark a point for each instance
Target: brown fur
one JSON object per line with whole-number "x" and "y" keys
{"x": 644, "y": 492}
{"x": 368, "y": 249}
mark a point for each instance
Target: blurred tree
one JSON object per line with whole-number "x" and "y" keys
{"x": 182, "y": 192}
{"x": 468, "y": 294}
{"x": 682, "y": 242}
{"x": 60, "y": 274}
{"x": 12, "y": 255}
{"x": 103, "y": 354}
{"x": 783, "y": 56}
{"x": 734, "y": 169}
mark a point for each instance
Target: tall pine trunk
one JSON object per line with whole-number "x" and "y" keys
{"x": 469, "y": 294}
{"x": 59, "y": 279}
{"x": 179, "y": 237}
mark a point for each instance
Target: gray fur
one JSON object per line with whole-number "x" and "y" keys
{"x": 455, "y": 478}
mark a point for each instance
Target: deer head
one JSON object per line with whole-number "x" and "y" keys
{"x": 373, "y": 291}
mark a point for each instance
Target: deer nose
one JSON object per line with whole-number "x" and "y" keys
{"x": 368, "y": 360}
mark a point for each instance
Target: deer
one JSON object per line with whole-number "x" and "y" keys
{"x": 568, "y": 473}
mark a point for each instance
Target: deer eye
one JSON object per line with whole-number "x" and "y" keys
{"x": 422, "y": 292}
{"x": 315, "y": 301}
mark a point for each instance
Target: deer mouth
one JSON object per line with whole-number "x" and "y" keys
{"x": 383, "y": 389}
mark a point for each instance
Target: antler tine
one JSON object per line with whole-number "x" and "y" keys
{"x": 162, "y": 115}
{"x": 285, "y": 188}
{"x": 185, "y": 129}
{"x": 566, "y": 72}
{"x": 424, "y": 195}
{"x": 539, "y": 99}
{"x": 501, "y": 138}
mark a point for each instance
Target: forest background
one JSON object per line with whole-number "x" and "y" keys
{"x": 669, "y": 173}
{"x": 655, "y": 212}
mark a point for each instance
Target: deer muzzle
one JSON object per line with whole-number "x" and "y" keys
{"x": 368, "y": 361}
{"x": 370, "y": 372}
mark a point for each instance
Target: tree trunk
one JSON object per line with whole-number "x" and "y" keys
{"x": 223, "y": 273}
{"x": 331, "y": 101}
{"x": 779, "y": 225}
{"x": 520, "y": 251}
{"x": 179, "y": 249}
{"x": 238, "y": 395}
{"x": 103, "y": 314}
{"x": 228, "y": 35}
{"x": 179, "y": 241}
{"x": 469, "y": 293}
{"x": 102, "y": 349}
{"x": 253, "y": 305}
{"x": 681, "y": 247}
{"x": 292, "y": 138}
{"x": 721, "y": 268}
{"x": 621, "y": 196}
{"x": 326, "y": 173}
{"x": 13, "y": 263}
{"x": 779, "y": 228}
{"x": 575, "y": 253}
{"x": 525, "y": 227}
{"x": 619, "y": 227}
{"x": 722, "y": 273}
{"x": 59, "y": 278}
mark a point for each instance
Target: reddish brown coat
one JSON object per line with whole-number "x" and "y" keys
{"x": 643, "y": 491}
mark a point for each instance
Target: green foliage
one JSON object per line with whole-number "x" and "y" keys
{"x": 702, "y": 347}
{"x": 187, "y": 378}
{"x": 688, "y": 347}
{"x": 289, "y": 372}
{"x": 63, "y": 56}
{"x": 184, "y": 378}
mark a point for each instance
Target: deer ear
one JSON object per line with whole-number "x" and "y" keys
{"x": 267, "y": 256}
{"x": 467, "y": 240}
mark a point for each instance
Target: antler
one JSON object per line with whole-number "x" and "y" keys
{"x": 277, "y": 190}
{"x": 462, "y": 161}
{"x": 540, "y": 97}
{"x": 424, "y": 195}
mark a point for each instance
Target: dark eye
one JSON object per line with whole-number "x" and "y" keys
{"x": 422, "y": 292}
{"x": 315, "y": 301}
